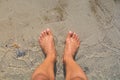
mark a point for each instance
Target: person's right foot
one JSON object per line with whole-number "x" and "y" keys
{"x": 72, "y": 44}
{"x": 47, "y": 44}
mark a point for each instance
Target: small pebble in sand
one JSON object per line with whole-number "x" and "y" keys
{"x": 20, "y": 53}
{"x": 86, "y": 70}
{"x": 15, "y": 45}
{"x": 6, "y": 45}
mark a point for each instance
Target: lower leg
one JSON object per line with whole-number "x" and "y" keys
{"x": 46, "y": 70}
{"x": 73, "y": 70}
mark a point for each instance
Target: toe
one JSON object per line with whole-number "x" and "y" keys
{"x": 44, "y": 33}
{"x": 78, "y": 42}
{"x": 49, "y": 32}
{"x": 77, "y": 38}
{"x": 40, "y": 37}
{"x": 74, "y": 35}
{"x": 70, "y": 33}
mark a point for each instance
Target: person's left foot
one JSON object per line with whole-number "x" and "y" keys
{"x": 47, "y": 44}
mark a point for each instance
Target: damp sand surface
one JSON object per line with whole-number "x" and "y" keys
{"x": 97, "y": 22}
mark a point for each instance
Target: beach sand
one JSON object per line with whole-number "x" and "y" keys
{"x": 97, "y": 22}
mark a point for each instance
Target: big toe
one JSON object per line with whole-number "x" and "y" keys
{"x": 69, "y": 35}
{"x": 49, "y": 32}
{"x": 45, "y": 32}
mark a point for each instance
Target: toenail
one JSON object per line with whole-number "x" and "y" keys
{"x": 48, "y": 29}
{"x": 74, "y": 33}
{"x": 40, "y": 35}
{"x": 70, "y": 31}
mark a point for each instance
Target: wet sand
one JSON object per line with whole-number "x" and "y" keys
{"x": 97, "y": 22}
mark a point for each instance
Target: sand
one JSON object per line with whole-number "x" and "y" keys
{"x": 97, "y": 22}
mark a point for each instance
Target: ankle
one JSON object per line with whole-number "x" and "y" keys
{"x": 51, "y": 57}
{"x": 67, "y": 58}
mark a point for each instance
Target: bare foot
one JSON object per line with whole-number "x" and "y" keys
{"x": 72, "y": 44}
{"x": 73, "y": 70}
{"x": 47, "y": 43}
{"x": 45, "y": 71}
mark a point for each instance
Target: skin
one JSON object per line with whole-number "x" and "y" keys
{"x": 45, "y": 71}
{"x": 73, "y": 70}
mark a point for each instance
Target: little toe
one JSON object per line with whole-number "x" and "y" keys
{"x": 40, "y": 39}
{"x": 78, "y": 42}
{"x": 77, "y": 38}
